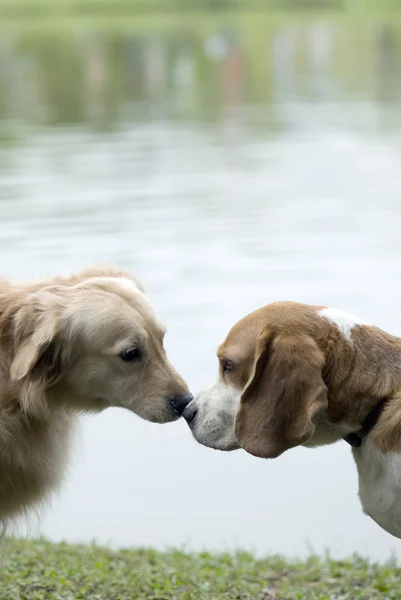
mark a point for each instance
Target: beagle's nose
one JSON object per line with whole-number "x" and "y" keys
{"x": 179, "y": 403}
{"x": 190, "y": 413}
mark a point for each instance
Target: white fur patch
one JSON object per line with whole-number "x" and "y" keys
{"x": 379, "y": 477}
{"x": 217, "y": 407}
{"x": 343, "y": 320}
{"x": 125, "y": 284}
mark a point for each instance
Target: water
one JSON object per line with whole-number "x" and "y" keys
{"x": 227, "y": 165}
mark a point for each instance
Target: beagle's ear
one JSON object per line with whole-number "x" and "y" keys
{"x": 283, "y": 395}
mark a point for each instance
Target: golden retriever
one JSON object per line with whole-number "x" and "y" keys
{"x": 67, "y": 346}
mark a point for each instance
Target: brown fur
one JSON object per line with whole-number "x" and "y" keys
{"x": 60, "y": 345}
{"x": 292, "y": 374}
{"x": 283, "y": 395}
{"x": 303, "y": 382}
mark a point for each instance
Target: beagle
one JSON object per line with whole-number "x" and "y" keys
{"x": 292, "y": 374}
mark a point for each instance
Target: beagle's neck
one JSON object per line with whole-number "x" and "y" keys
{"x": 363, "y": 377}
{"x": 355, "y": 438}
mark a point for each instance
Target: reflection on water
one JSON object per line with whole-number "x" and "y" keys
{"x": 227, "y": 169}
{"x": 91, "y": 77}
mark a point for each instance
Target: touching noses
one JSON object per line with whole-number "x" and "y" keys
{"x": 180, "y": 402}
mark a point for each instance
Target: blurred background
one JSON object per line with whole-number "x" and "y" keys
{"x": 230, "y": 153}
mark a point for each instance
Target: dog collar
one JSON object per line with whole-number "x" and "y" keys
{"x": 355, "y": 438}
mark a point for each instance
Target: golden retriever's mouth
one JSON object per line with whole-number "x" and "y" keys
{"x": 166, "y": 411}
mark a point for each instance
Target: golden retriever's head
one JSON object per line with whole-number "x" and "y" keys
{"x": 90, "y": 342}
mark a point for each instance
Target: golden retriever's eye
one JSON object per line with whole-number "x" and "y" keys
{"x": 131, "y": 355}
{"x": 227, "y": 365}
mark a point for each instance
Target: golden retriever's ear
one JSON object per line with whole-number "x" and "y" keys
{"x": 38, "y": 348}
{"x": 283, "y": 395}
{"x": 33, "y": 349}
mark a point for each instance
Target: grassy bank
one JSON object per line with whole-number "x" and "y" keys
{"x": 43, "y": 571}
{"x": 46, "y": 8}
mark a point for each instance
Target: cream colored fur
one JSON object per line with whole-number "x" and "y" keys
{"x": 61, "y": 341}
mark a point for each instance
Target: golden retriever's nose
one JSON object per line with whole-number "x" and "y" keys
{"x": 180, "y": 402}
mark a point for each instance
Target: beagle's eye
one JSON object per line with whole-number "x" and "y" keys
{"x": 227, "y": 365}
{"x": 131, "y": 355}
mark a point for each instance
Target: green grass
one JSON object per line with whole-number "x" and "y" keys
{"x": 39, "y": 570}
{"x": 46, "y": 8}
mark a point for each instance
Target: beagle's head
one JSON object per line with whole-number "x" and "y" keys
{"x": 292, "y": 374}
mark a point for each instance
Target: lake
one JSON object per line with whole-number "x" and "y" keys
{"x": 228, "y": 162}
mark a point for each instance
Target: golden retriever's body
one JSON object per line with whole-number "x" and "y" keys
{"x": 34, "y": 454}
{"x": 71, "y": 345}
